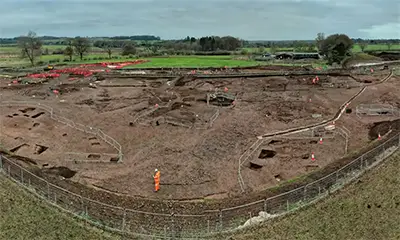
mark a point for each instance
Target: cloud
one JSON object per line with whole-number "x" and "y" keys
{"x": 248, "y": 19}
{"x": 388, "y": 30}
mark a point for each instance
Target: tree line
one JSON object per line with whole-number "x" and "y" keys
{"x": 335, "y": 48}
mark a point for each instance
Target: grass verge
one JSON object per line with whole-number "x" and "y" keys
{"x": 25, "y": 217}
{"x": 367, "y": 209}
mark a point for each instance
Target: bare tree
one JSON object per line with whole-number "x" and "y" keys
{"x": 69, "y": 51}
{"x": 319, "y": 40}
{"x": 30, "y": 46}
{"x": 109, "y": 51}
{"x": 389, "y": 45}
{"x": 273, "y": 49}
{"x": 363, "y": 45}
{"x": 81, "y": 46}
{"x": 153, "y": 48}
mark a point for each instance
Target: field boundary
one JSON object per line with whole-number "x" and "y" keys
{"x": 86, "y": 129}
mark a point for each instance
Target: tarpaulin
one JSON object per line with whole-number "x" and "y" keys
{"x": 44, "y": 75}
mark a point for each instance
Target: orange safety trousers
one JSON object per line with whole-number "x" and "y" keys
{"x": 157, "y": 181}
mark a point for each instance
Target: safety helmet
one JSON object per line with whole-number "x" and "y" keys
{"x": 156, "y": 170}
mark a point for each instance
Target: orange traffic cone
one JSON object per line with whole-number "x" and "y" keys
{"x": 379, "y": 136}
{"x": 320, "y": 141}
{"x": 312, "y": 157}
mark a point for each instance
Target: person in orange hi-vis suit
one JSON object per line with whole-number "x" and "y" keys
{"x": 156, "y": 180}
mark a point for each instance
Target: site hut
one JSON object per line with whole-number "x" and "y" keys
{"x": 297, "y": 55}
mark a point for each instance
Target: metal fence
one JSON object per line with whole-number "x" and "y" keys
{"x": 183, "y": 226}
{"x": 57, "y": 117}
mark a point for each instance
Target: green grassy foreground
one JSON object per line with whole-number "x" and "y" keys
{"x": 23, "y": 217}
{"x": 367, "y": 209}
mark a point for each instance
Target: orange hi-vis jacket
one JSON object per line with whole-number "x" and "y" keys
{"x": 157, "y": 181}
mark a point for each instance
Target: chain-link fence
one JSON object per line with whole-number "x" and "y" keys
{"x": 57, "y": 117}
{"x": 184, "y": 226}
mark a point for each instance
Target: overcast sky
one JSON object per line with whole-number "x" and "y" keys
{"x": 247, "y": 19}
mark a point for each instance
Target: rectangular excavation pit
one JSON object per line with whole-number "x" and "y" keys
{"x": 39, "y": 149}
{"x": 14, "y": 150}
{"x": 29, "y": 109}
{"x": 265, "y": 153}
{"x": 94, "y": 156}
{"x": 38, "y": 115}
{"x": 311, "y": 167}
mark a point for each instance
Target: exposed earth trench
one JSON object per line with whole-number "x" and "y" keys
{"x": 207, "y": 209}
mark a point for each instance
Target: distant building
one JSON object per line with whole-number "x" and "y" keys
{"x": 297, "y": 55}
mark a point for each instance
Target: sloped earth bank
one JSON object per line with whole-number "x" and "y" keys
{"x": 198, "y": 207}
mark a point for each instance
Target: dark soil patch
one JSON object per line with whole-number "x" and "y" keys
{"x": 61, "y": 171}
{"x": 39, "y": 149}
{"x": 30, "y": 109}
{"x": 38, "y": 115}
{"x": 274, "y": 142}
{"x": 255, "y": 166}
{"x": 93, "y": 156}
{"x": 266, "y": 154}
{"x": 18, "y": 147}
{"x": 382, "y": 128}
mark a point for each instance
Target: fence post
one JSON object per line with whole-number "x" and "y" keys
{"x": 123, "y": 220}
{"x": 287, "y": 205}
{"x": 48, "y": 190}
{"x": 220, "y": 220}
{"x": 208, "y": 226}
{"x": 22, "y": 176}
{"x": 397, "y": 144}
{"x": 399, "y": 137}
{"x": 265, "y": 205}
{"x": 82, "y": 205}
{"x": 1, "y": 162}
{"x": 362, "y": 162}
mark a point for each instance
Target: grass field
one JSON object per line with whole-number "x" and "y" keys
{"x": 23, "y": 217}
{"x": 194, "y": 61}
{"x": 368, "y": 209}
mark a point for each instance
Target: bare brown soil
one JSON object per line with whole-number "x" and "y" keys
{"x": 167, "y": 124}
